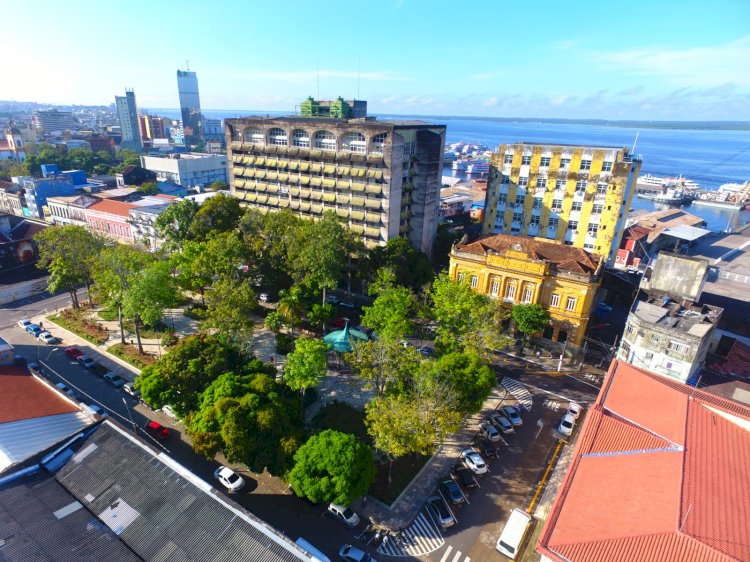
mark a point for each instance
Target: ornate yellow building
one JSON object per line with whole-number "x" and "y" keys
{"x": 578, "y": 195}
{"x": 522, "y": 270}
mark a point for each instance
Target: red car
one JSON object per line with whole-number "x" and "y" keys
{"x": 339, "y": 323}
{"x": 73, "y": 352}
{"x": 157, "y": 430}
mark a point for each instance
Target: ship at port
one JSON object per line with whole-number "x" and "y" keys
{"x": 671, "y": 191}
{"x": 729, "y": 196}
{"x": 667, "y": 195}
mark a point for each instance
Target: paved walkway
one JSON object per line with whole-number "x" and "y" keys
{"x": 544, "y": 362}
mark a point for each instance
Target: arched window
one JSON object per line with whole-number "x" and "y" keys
{"x": 325, "y": 140}
{"x": 254, "y": 135}
{"x": 278, "y": 137}
{"x": 378, "y": 141}
{"x": 528, "y": 294}
{"x": 355, "y": 142}
{"x": 510, "y": 291}
{"x": 301, "y": 138}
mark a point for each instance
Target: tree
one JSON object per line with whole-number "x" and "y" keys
{"x": 44, "y": 153}
{"x": 68, "y": 252}
{"x": 218, "y": 186}
{"x": 148, "y": 188}
{"x": 129, "y": 157}
{"x": 390, "y": 313}
{"x": 530, "y": 319}
{"x": 441, "y": 248}
{"x": 291, "y": 306}
{"x": 320, "y": 314}
{"x": 10, "y": 168}
{"x": 273, "y": 321}
{"x": 332, "y": 467}
{"x": 82, "y": 159}
{"x": 230, "y": 305}
{"x": 221, "y": 213}
{"x": 174, "y": 223}
{"x": 112, "y": 272}
{"x": 461, "y": 379}
{"x": 151, "y": 290}
{"x": 306, "y": 366}
{"x": 385, "y": 364}
{"x": 411, "y": 267}
{"x": 268, "y": 239}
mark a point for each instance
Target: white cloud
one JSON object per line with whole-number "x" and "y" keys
{"x": 490, "y": 102}
{"x": 707, "y": 66}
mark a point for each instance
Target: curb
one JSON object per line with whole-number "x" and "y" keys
{"x": 576, "y": 369}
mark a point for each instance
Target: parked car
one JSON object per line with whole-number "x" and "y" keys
{"x": 114, "y": 379}
{"x": 426, "y": 351}
{"x": 86, "y": 361}
{"x": 228, "y": 478}
{"x": 451, "y": 491}
{"x": 64, "y": 388}
{"x": 34, "y": 330}
{"x": 488, "y": 450}
{"x": 489, "y": 432}
{"x": 157, "y": 430}
{"x": 473, "y": 461}
{"x": 512, "y": 414}
{"x": 73, "y": 352}
{"x": 349, "y": 553}
{"x": 23, "y": 324}
{"x": 263, "y": 297}
{"x": 465, "y": 477}
{"x": 346, "y": 304}
{"x": 502, "y": 423}
{"x": 47, "y": 338}
{"x": 130, "y": 389}
{"x": 344, "y": 514}
{"x": 575, "y": 409}
{"x": 97, "y": 410}
{"x": 167, "y": 409}
{"x": 440, "y": 511}
{"x": 333, "y": 299}
{"x": 566, "y": 425}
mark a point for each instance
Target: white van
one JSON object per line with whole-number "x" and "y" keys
{"x": 514, "y": 533}
{"x": 315, "y": 554}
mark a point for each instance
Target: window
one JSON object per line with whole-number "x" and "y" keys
{"x": 573, "y": 225}
{"x": 378, "y": 141}
{"x": 354, "y": 142}
{"x": 517, "y": 217}
{"x": 545, "y": 161}
{"x": 502, "y": 197}
{"x": 585, "y": 164}
{"x": 504, "y": 179}
{"x": 588, "y": 247}
{"x": 560, "y": 184}
{"x": 553, "y": 222}
{"x": 325, "y": 140}
{"x": 593, "y": 229}
{"x": 254, "y": 135}
{"x": 528, "y": 294}
{"x": 538, "y": 202}
{"x": 565, "y": 162}
{"x": 581, "y": 185}
{"x": 555, "y": 301}
{"x": 510, "y": 292}
{"x": 300, "y": 138}
{"x": 649, "y": 355}
{"x": 678, "y": 347}
{"x": 557, "y": 205}
{"x": 570, "y": 304}
{"x": 601, "y": 188}
{"x": 461, "y": 277}
{"x": 541, "y": 182}
{"x": 577, "y": 206}
{"x": 606, "y": 166}
{"x": 494, "y": 288}
{"x": 534, "y": 220}
{"x": 474, "y": 281}
{"x": 277, "y": 137}
{"x": 520, "y": 199}
{"x": 526, "y": 160}
{"x": 523, "y": 182}
{"x": 508, "y": 159}
{"x": 597, "y": 209}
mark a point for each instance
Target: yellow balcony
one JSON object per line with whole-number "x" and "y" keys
{"x": 304, "y": 207}
{"x": 343, "y": 213}
{"x": 359, "y": 187}
{"x": 358, "y": 201}
{"x": 342, "y": 199}
{"x": 358, "y": 215}
{"x": 283, "y": 203}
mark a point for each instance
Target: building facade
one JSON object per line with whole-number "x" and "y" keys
{"x": 522, "y": 270}
{"x": 110, "y": 219}
{"x": 572, "y": 194}
{"x": 143, "y": 221}
{"x": 190, "y": 106}
{"x": 193, "y": 169}
{"x": 69, "y": 209}
{"x": 381, "y": 178}
{"x": 49, "y": 120}
{"x": 13, "y": 147}
{"x": 130, "y": 126}
{"x": 668, "y": 332}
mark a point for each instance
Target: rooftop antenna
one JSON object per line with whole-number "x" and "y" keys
{"x": 317, "y": 64}
{"x": 359, "y": 60}
{"x": 187, "y": 65}
{"x": 632, "y": 151}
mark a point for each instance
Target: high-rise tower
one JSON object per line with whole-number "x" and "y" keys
{"x": 129, "y": 124}
{"x": 190, "y": 106}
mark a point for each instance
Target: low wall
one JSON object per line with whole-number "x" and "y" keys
{"x": 22, "y": 290}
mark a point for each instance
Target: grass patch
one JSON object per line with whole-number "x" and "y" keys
{"x": 77, "y": 321}
{"x": 402, "y": 473}
{"x": 130, "y": 354}
{"x": 344, "y": 418}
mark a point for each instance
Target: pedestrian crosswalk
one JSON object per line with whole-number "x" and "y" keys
{"x": 453, "y": 556}
{"x": 421, "y": 537}
{"x": 519, "y": 392}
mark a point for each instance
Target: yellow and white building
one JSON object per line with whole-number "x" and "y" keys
{"x": 576, "y": 195}
{"x": 522, "y": 270}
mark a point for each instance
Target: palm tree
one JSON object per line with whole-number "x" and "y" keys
{"x": 291, "y": 307}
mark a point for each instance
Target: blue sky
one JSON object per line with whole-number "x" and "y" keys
{"x": 681, "y": 60}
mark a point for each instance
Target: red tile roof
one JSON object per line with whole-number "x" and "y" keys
{"x": 565, "y": 258}
{"x": 660, "y": 473}
{"x": 113, "y": 207}
{"x": 24, "y": 397}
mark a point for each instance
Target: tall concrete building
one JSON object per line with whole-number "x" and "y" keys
{"x": 129, "y": 123}
{"x": 576, "y": 195}
{"x": 381, "y": 178}
{"x": 49, "y": 120}
{"x": 190, "y": 105}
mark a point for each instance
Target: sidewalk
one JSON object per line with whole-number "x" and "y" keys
{"x": 544, "y": 362}
{"x": 407, "y": 505}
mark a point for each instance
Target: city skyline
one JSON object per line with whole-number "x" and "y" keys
{"x": 671, "y": 61}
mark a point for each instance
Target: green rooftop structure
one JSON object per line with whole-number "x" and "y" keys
{"x": 338, "y": 108}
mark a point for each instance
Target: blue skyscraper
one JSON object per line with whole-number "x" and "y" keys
{"x": 190, "y": 105}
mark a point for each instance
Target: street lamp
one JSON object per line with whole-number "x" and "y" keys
{"x": 46, "y": 358}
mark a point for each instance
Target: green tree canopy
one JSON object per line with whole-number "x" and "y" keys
{"x": 218, "y": 186}
{"x": 385, "y": 365}
{"x": 175, "y": 222}
{"x": 128, "y": 157}
{"x": 306, "y": 366}
{"x": 461, "y": 379}
{"x": 151, "y": 290}
{"x": 530, "y": 319}
{"x": 411, "y": 267}
{"x": 148, "y": 188}
{"x": 230, "y": 306}
{"x": 332, "y": 467}
{"x": 220, "y": 213}
{"x": 390, "y": 313}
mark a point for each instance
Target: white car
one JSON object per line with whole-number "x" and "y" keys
{"x": 566, "y": 425}
{"x": 23, "y": 324}
{"x": 473, "y": 461}
{"x": 488, "y": 431}
{"x": 511, "y": 413}
{"x": 502, "y": 423}
{"x": 575, "y": 409}
{"x": 167, "y": 409}
{"x": 129, "y": 388}
{"x": 228, "y": 478}
{"x": 263, "y": 297}
{"x": 47, "y": 338}
{"x": 344, "y": 514}
{"x": 64, "y": 388}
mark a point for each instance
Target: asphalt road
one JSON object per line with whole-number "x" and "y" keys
{"x": 510, "y": 483}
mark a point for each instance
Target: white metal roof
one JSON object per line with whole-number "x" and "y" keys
{"x": 685, "y": 232}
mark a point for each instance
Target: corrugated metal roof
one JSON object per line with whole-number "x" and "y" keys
{"x": 32, "y": 533}
{"x": 686, "y": 232}
{"x": 162, "y": 511}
